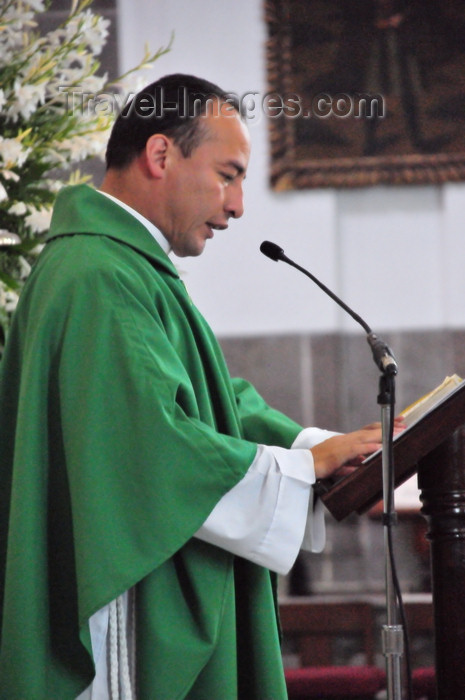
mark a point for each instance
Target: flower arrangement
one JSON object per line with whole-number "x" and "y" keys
{"x": 55, "y": 112}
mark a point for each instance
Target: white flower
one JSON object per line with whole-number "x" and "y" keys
{"x": 9, "y": 175}
{"x": 11, "y": 300}
{"x": 18, "y": 209}
{"x": 38, "y": 249}
{"x": 39, "y": 219}
{"x": 27, "y": 99}
{"x": 92, "y": 30}
{"x": 51, "y": 114}
{"x": 14, "y": 21}
{"x": 37, "y": 5}
{"x": 8, "y": 298}
{"x": 54, "y": 185}
{"x": 93, "y": 84}
{"x": 24, "y": 268}
{"x": 69, "y": 150}
{"x": 12, "y": 152}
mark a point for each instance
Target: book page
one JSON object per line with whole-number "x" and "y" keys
{"x": 426, "y": 403}
{"x": 419, "y": 408}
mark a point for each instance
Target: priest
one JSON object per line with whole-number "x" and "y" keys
{"x": 148, "y": 499}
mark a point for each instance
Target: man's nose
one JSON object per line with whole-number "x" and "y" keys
{"x": 235, "y": 201}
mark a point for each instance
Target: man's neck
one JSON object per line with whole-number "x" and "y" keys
{"x": 151, "y": 228}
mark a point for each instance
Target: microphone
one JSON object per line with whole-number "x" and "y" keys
{"x": 382, "y": 354}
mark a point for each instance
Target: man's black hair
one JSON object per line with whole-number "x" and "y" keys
{"x": 173, "y": 106}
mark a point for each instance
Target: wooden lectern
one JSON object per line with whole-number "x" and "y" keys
{"x": 434, "y": 448}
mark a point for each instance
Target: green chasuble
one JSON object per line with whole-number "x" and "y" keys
{"x": 120, "y": 429}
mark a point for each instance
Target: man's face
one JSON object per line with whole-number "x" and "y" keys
{"x": 204, "y": 190}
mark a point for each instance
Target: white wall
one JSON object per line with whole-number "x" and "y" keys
{"x": 395, "y": 254}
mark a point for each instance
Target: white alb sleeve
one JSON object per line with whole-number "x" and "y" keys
{"x": 269, "y": 515}
{"x": 314, "y": 537}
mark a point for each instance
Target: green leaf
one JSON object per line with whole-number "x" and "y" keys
{"x": 9, "y": 281}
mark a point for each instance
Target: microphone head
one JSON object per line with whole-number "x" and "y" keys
{"x": 271, "y": 250}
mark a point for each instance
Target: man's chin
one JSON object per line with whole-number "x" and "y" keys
{"x": 191, "y": 251}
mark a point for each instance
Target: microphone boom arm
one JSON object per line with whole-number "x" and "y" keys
{"x": 382, "y": 354}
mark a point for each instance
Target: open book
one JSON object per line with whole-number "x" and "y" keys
{"x": 424, "y": 404}
{"x": 431, "y": 421}
{"x": 408, "y": 493}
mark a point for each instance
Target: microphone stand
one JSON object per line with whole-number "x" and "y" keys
{"x": 392, "y": 632}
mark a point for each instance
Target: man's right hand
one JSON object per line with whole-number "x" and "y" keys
{"x": 342, "y": 453}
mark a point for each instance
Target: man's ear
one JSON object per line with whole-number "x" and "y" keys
{"x": 156, "y": 151}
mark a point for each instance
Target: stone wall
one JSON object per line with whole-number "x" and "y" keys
{"x": 331, "y": 381}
